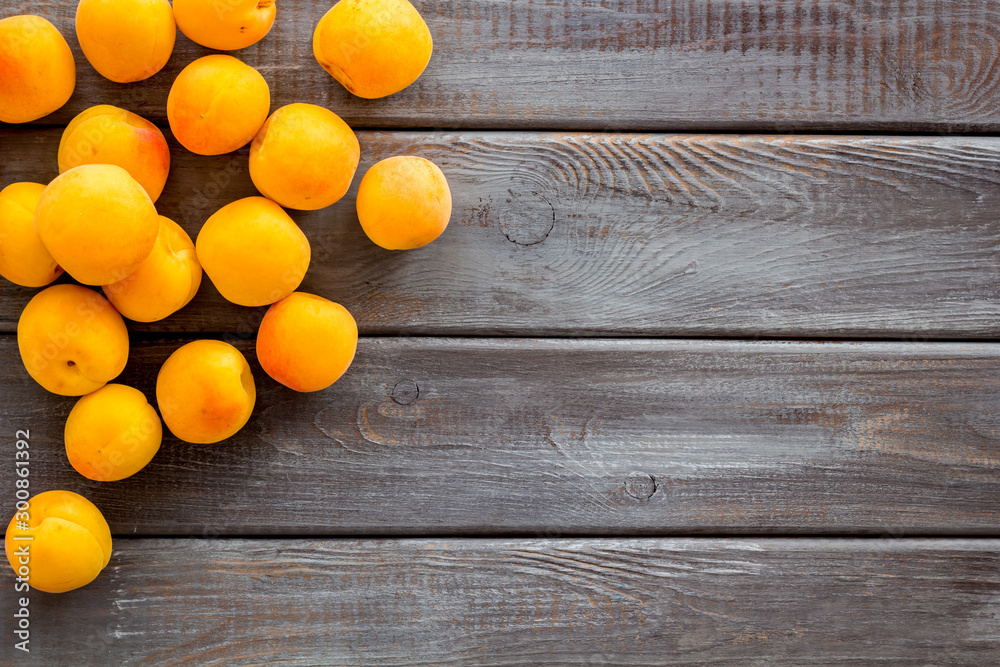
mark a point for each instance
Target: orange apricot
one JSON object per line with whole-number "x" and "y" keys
{"x": 98, "y": 223}
{"x": 306, "y": 342}
{"x": 217, "y": 104}
{"x": 304, "y": 157}
{"x": 404, "y": 202}
{"x": 108, "y": 135}
{"x": 225, "y": 25}
{"x": 59, "y": 542}
{"x": 205, "y": 391}
{"x": 126, "y": 40}
{"x": 374, "y": 48}
{"x": 37, "y": 71}
{"x": 24, "y": 260}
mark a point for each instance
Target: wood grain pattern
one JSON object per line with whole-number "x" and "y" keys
{"x": 648, "y": 65}
{"x": 574, "y": 234}
{"x": 164, "y": 603}
{"x": 493, "y": 437}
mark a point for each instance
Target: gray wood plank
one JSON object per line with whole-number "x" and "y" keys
{"x": 663, "y": 235}
{"x": 755, "y": 602}
{"x": 666, "y": 65}
{"x": 484, "y": 437}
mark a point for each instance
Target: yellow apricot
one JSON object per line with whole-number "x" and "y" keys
{"x": 165, "y": 282}
{"x": 126, "y": 40}
{"x": 304, "y": 157}
{"x": 225, "y": 25}
{"x": 205, "y": 391}
{"x": 37, "y": 71}
{"x": 306, "y": 342}
{"x": 253, "y": 252}
{"x": 98, "y": 223}
{"x": 374, "y": 48}
{"x": 112, "y": 433}
{"x": 404, "y": 202}
{"x": 108, "y": 135}
{"x": 23, "y": 258}
{"x": 217, "y": 105}
{"x": 71, "y": 340}
{"x": 67, "y": 541}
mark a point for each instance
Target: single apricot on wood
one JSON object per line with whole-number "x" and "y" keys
{"x": 126, "y": 40}
{"x": 67, "y": 540}
{"x": 37, "y": 71}
{"x": 98, "y": 223}
{"x": 253, "y": 252}
{"x": 404, "y": 202}
{"x": 71, "y": 340}
{"x": 108, "y": 135}
{"x": 217, "y": 104}
{"x": 374, "y": 48}
{"x": 225, "y": 25}
{"x": 304, "y": 157}
{"x": 306, "y": 342}
{"x": 165, "y": 282}
{"x": 112, "y": 433}
{"x": 24, "y": 260}
{"x": 205, "y": 391}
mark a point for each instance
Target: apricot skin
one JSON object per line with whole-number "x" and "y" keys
{"x": 37, "y": 71}
{"x": 98, "y": 223}
{"x": 24, "y": 260}
{"x": 306, "y": 342}
{"x": 165, "y": 282}
{"x": 70, "y": 542}
{"x": 225, "y": 26}
{"x": 205, "y": 391}
{"x": 253, "y": 252}
{"x": 71, "y": 340}
{"x": 404, "y": 202}
{"x": 304, "y": 157}
{"x": 217, "y": 104}
{"x": 112, "y": 433}
{"x": 374, "y": 48}
{"x": 108, "y": 135}
{"x": 126, "y": 40}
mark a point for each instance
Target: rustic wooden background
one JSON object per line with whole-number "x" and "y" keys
{"x": 704, "y": 371}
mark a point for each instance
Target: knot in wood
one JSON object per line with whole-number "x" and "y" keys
{"x": 405, "y": 392}
{"x": 640, "y": 486}
{"x": 527, "y": 217}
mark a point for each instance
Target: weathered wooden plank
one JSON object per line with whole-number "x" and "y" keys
{"x": 667, "y": 65}
{"x": 491, "y": 437}
{"x": 170, "y": 602}
{"x": 568, "y": 234}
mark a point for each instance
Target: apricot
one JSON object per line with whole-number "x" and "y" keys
{"x": 304, "y": 157}
{"x": 112, "y": 433}
{"x": 374, "y": 48}
{"x": 71, "y": 340}
{"x": 253, "y": 252}
{"x": 65, "y": 545}
{"x": 165, "y": 282}
{"x": 37, "y": 71}
{"x": 404, "y": 202}
{"x": 126, "y": 40}
{"x": 205, "y": 391}
{"x": 23, "y": 258}
{"x": 306, "y": 342}
{"x": 98, "y": 223}
{"x": 217, "y": 105}
{"x": 108, "y": 135}
{"x": 225, "y": 25}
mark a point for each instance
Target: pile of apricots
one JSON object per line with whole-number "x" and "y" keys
{"x": 97, "y": 222}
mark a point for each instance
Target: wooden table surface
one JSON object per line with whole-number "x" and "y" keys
{"x": 704, "y": 371}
